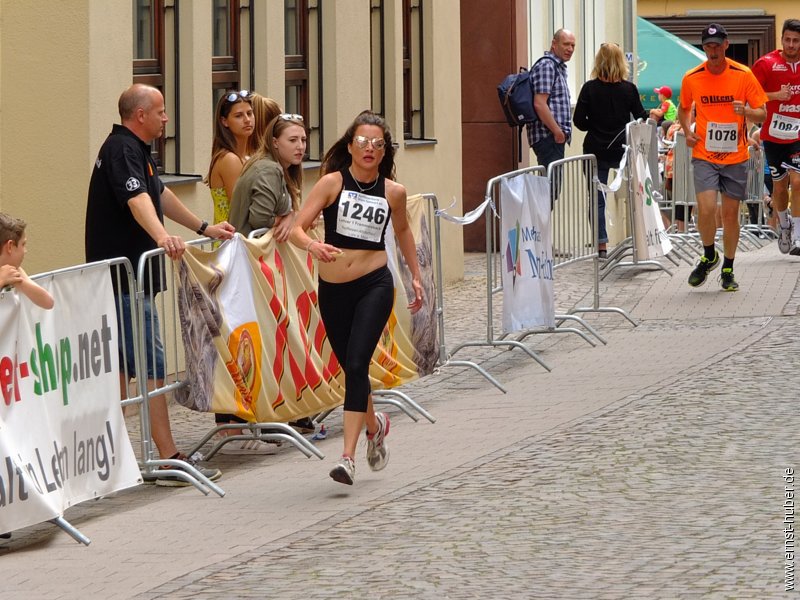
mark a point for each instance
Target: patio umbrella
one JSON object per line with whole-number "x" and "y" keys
{"x": 663, "y": 59}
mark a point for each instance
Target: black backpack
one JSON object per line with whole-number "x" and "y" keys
{"x": 516, "y": 99}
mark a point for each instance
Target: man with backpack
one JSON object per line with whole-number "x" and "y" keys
{"x": 553, "y": 129}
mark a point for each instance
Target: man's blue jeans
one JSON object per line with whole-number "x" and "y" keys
{"x": 547, "y": 151}
{"x": 602, "y": 175}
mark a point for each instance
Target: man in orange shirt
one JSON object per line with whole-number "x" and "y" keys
{"x": 726, "y": 93}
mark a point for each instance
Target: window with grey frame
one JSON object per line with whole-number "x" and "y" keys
{"x": 148, "y": 56}
{"x": 413, "y": 70}
{"x": 303, "y": 50}
{"x": 377, "y": 56}
{"x": 226, "y": 72}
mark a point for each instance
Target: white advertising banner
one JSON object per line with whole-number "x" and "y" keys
{"x": 652, "y": 240}
{"x": 527, "y": 247}
{"x": 62, "y": 434}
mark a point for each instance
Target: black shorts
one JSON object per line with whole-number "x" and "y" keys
{"x": 778, "y": 154}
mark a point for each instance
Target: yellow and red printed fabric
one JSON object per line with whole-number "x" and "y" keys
{"x": 254, "y": 341}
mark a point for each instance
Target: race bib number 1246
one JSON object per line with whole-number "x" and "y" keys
{"x": 361, "y": 216}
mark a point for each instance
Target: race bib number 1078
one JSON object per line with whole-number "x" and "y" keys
{"x": 361, "y": 216}
{"x": 722, "y": 137}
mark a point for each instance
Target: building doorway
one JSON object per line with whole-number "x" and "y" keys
{"x": 750, "y": 36}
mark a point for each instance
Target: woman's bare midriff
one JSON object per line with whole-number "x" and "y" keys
{"x": 351, "y": 265}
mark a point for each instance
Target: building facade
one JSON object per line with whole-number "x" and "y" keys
{"x": 753, "y": 28}
{"x": 499, "y": 37}
{"x": 64, "y": 63}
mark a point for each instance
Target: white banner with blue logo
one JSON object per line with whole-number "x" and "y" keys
{"x": 526, "y": 245}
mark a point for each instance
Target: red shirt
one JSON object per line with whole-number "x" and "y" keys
{"x": 783, "y": 116}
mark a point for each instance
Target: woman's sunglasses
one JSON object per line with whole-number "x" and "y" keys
{"x": 237, "y": 96}
{"x": 361, "y": 142}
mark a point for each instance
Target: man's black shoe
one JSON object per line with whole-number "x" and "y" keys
{"x": 700, "y": 273}
{"x": 305, "y": 425}
{"x": 727, "y": 281}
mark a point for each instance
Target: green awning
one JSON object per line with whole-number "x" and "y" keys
{"x": 663, "y": 59}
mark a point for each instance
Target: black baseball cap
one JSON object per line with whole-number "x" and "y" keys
{"x": 714, "y": 33}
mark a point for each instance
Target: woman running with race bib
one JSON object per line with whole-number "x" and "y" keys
{"x": 357, "y": 196}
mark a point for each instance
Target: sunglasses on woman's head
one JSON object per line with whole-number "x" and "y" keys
{"x": 237, "y": 96}
{"x": 291, "y": 117}
{"x": 361, "y": 142}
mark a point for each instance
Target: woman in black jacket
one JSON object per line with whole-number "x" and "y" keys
{"x": 605, "y": 105}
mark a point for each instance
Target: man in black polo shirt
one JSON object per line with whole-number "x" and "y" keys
{"x": 124, "y": 217}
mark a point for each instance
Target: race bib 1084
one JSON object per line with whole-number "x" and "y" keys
{"x": 783, "y": 127}
{"x": 361, "y": 216}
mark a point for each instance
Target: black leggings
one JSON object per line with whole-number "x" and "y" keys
{"x": 355, "y": 314}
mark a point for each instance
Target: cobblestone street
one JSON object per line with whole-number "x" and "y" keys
{"x": 674, "y": 492}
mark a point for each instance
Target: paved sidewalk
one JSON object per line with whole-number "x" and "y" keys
{"x": 650, "y": 467}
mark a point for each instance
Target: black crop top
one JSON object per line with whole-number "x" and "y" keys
{"x": 358, "y": 217}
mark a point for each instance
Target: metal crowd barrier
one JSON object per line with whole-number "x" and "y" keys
{"x": 749, "y": 235}
{"x": 559, "y": 181}
{"x": 683, "y": 196}
{"x": 167, "y": 306}
{"x": 659, "y": 185}
{"x": 172, "y": 380}
{"x": 493, "y": 286}
{"x": 445, "y": 357}
{"x": 681, "y": 247}
{"x": 656, "y": 150}
{"x": 755, "y": 193}
{"x": 575, "y": 227}
{"x": 658, "y": 175}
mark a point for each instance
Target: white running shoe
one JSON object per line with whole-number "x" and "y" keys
{"x": 377, "y": 450}
{"x": 344, "y": 471}
{"x": 795, "y": 249}
{"x": 784, "y": 238}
